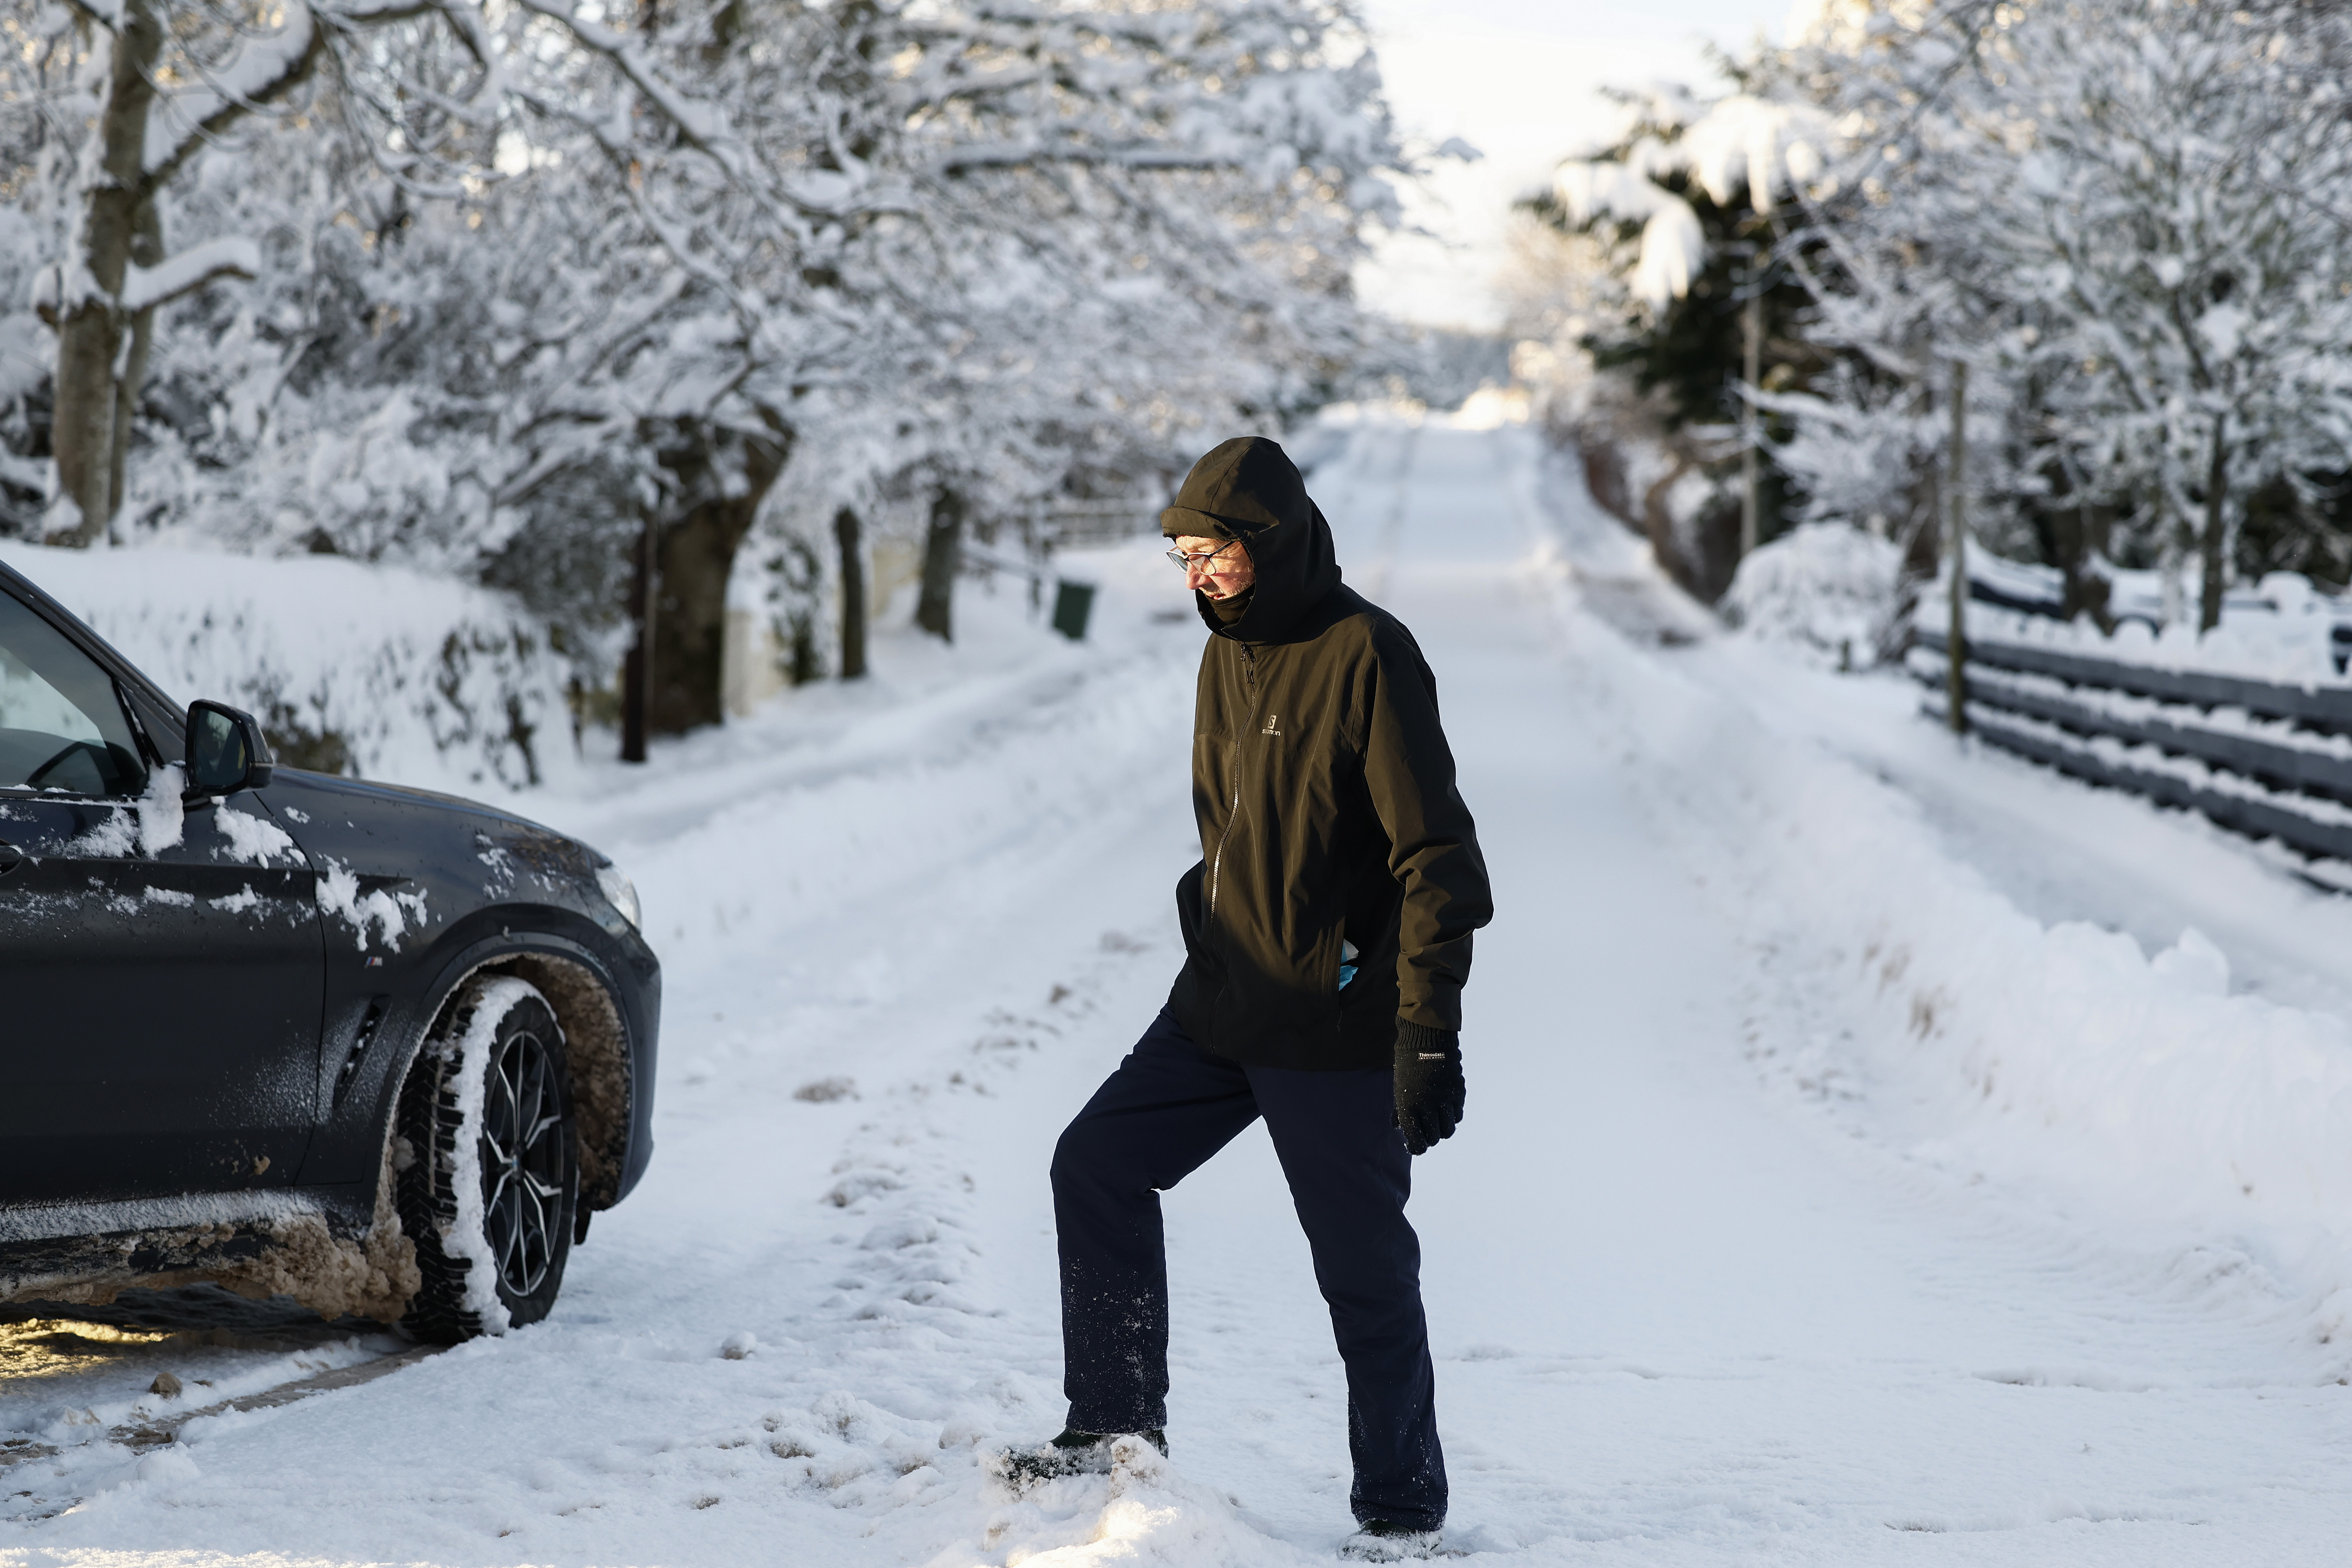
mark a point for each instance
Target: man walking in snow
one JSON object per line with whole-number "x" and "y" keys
{"x": 1327, "y": 937}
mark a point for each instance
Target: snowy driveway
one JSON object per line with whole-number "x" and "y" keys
{"x": 1705, "y": 1283}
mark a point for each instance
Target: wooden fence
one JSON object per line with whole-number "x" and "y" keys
{"x": 2262, "y": 758}
{"x": 1069, "y": 524}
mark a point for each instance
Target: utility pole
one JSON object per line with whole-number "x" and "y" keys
{"x": 1956, "y": 539}
{"x": 1752, "y": 333}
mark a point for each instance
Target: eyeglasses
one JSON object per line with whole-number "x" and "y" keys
{"x": 1186, "y": 563}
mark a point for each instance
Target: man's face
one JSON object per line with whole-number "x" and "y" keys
{"x": 1222, "y": 578}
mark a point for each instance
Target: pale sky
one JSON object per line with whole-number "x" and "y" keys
{"x": 1518, "y": 80}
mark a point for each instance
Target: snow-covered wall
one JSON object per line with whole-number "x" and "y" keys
{"x": 366, "y": 670}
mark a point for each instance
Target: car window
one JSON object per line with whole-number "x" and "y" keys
{"x": 61, "y": 726}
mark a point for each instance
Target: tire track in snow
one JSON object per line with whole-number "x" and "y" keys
{"x": 80, "y": 1453}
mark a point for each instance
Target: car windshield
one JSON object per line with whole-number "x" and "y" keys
{"x": 61, "y": 726}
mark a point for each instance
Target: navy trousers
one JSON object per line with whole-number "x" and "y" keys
{"x": 1168, "y": 1107}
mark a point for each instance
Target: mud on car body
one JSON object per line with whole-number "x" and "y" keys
{"x": 280, "y": 1045}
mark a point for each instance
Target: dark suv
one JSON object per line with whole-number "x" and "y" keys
{"x": 280, "y": 1044}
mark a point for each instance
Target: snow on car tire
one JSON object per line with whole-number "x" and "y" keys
{"x": 489, "y": 1164}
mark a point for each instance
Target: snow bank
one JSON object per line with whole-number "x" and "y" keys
{"x": 2064, "y": 1061}
{"x": 1825, "y": 587}
{"x": 356, "y": 669}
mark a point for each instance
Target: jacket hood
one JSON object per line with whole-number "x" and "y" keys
{"x": 1248, "y": 488}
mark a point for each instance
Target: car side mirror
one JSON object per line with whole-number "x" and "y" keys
{"x": 226, "y": 751}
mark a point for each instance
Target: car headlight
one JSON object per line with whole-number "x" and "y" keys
{"x": 620, "y": 892}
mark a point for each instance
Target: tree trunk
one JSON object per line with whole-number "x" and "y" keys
{"x": 942, "y": 558}
{"x": 1920, "y": 532}
{"x": 146, "y": 250}
{"x": 89, "y": 330}
{"x": 846, "y": 530}
{"x": 1752, "y": 331}
{"x": 2082, "y": 531}
{"x": 2215, "y": 542}
{"x": 696, "y": 555}
{"x": 2074, "y": 534}
{"x": 636, "y": 687}
{"x": 2098, "y": 530}
{"x": 2060, "y": 529}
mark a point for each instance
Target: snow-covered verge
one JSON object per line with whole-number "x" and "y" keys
{"x": 374, "y": 670}
{"x": 1826, "y": 588}
{"x": 2060, "y": 1059}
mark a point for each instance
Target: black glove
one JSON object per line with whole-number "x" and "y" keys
{"x": 1429, "y": 1088}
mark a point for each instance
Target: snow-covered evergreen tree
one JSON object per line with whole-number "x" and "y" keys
{"x": 1679, "y": 213}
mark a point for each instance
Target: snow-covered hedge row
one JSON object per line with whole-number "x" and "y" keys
{"x": 2291, "y": 645}
{"x": 371, "y": 670}
{"x": 1826, "y": 587}
{"x": 2064, "y": 1059}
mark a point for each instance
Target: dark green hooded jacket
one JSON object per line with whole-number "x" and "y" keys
{"x": 1325, "y": 794}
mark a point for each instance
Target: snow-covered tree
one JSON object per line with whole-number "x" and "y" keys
{"x": 546, "y": 293}
{"x": 120, "y": 98}
{"x": 2115, "y": 211}
{"x": 1157, "y": 203}
{"x": 1680, "y": 216}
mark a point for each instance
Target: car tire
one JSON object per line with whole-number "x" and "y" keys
{"x": 487, "y": 1163}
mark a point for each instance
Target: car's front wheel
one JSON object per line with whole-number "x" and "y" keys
{"x": 489, "y": 1164}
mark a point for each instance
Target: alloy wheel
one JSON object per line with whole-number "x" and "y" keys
{"x": 523, "y": 1133}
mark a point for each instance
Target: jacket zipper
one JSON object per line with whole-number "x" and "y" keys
{"x": 1217, "y": 865}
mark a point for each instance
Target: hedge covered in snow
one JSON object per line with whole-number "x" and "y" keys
{"x": 1825, "y": 587}
{"x": 373, "y": 671}
{"x": 2291, "y": 644}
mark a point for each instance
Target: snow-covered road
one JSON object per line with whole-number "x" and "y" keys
{"x": 1707, "y": 1279}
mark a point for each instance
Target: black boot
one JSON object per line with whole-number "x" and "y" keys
{"x": 1073, "y": 1452}
{"x": 1381, "y": 1541}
